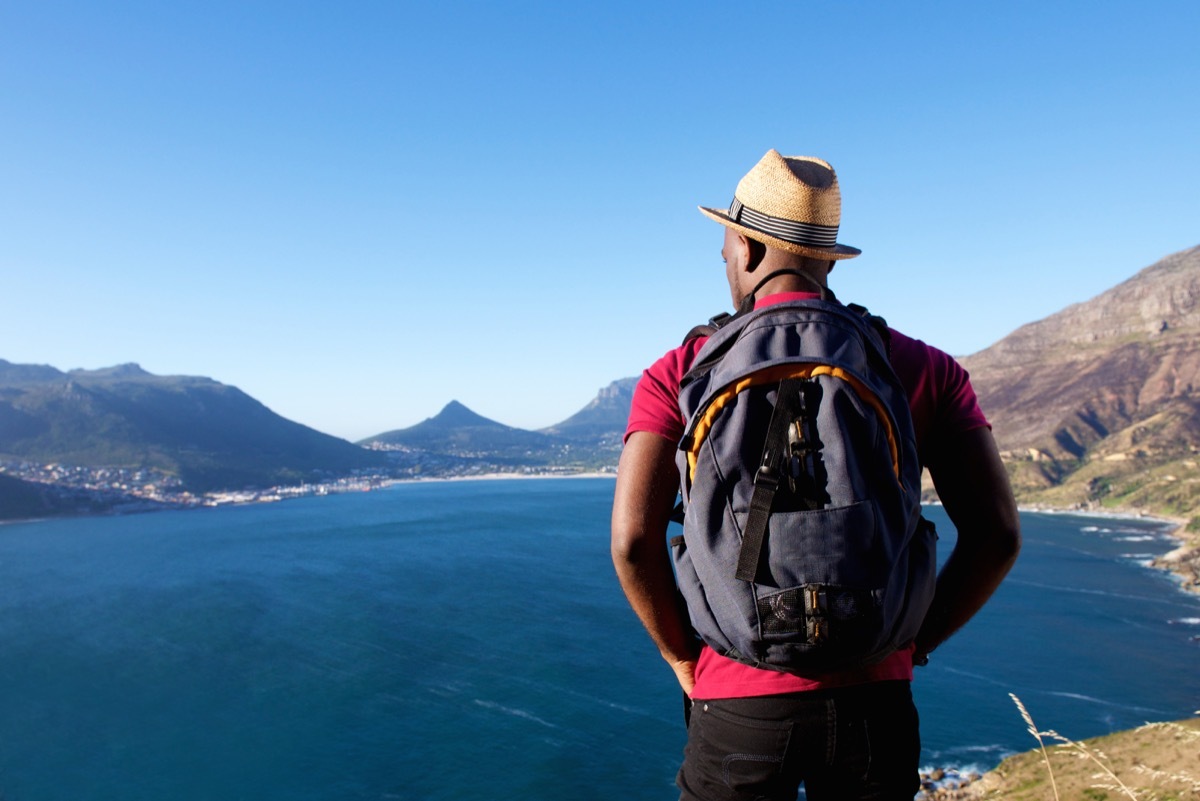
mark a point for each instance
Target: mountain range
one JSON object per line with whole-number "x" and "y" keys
{"x": 204, "y": 434}
{"x": 120, "y": 437}
{"x": 1097, "y": 405}
{"x": 459, "y": 440}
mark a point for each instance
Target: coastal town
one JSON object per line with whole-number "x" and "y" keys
{"x": 117, "y": 490}
{"x": 125, "y": 490}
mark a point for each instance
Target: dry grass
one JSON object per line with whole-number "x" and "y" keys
{"x": 1154, "y": 762}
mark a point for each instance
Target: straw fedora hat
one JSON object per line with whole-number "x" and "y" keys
{"x": 788, "y": 202}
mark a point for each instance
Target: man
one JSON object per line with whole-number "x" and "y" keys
{"x": 756, "y": 733}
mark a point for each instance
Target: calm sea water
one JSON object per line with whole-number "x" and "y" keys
{"x": 468, "y": 640}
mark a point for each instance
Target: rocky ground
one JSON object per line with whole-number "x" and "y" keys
{"x": 1155, "y": 761}
{"x": 1184, "y": 561}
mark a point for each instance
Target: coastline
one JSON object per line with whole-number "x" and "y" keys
{"x": 1183, "y": 562}
{"x": 505, "y": 476}
{"x": 277, "y": 494}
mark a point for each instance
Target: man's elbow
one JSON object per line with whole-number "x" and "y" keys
{"x": 991, "y": 536}
{"x": 629, "y": 544}
{"x": 1008, "y": 542}
{"x": 1007, "y": 524}
{"x": 622, "y": 547}
{"x": 999, "y": 540}
{"x": 627, "y": 531}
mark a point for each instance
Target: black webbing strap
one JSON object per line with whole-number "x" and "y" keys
{"x": 708, "y": 329}
{"x": 766, "y": 480}
{"x": 748, "y": 302}
{"x": 877, "y": 324}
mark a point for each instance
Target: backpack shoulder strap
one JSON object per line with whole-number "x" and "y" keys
{"x": 877, "y": 323}
{"x": 708, "y": 329}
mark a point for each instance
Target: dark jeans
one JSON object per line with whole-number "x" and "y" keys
{"x": 851, "y": 743}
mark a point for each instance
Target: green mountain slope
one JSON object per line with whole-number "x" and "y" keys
{"x": 456, "y": 431}
{"x": 458, "y": 441}
{"x": 208, "y": 434}
{"x": 23, "y": 499}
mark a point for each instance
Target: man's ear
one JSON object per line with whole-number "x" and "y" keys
{"x": 758, "y": 252}
{"x": 736, "y": 248}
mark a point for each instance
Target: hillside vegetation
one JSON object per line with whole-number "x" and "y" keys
{"x": 1155, "y": 761}
{"x": 207, "y": 434}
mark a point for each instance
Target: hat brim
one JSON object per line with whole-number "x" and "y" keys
{"x": 836, "y": 252}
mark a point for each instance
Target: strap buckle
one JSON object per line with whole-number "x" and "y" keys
{"x": 767, "y": 476}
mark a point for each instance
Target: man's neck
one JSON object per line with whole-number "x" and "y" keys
{"x": 790, "y": 282}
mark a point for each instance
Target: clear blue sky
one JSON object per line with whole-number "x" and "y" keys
{"x": 357, "y": 212}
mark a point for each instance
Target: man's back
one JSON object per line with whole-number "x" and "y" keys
{"x": 850, "y": 734}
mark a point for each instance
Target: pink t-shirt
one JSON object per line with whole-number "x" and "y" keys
{"x": 943, "y": 404}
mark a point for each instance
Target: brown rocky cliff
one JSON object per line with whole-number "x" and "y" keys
{"x": 1100, "y": 403}
{"x": 1101, "y": 362}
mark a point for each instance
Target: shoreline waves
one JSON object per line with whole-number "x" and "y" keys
{"x": 1183, "y": 562}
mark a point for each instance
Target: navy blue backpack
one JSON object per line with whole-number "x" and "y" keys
{"x": 803, "y": 547}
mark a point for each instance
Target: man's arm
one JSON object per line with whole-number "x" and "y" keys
{"x": 973, "y": 486}
{"x": 647, "y": 481}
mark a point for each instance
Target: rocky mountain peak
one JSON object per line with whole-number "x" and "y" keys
{"x": 1103, "y": 390}
{"x": 1162, "y": 298}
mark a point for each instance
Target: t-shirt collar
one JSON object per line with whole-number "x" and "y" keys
{"x": 784, "y": 297}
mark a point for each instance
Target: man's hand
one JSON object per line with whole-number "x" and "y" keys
{"x": 685, "y": 673}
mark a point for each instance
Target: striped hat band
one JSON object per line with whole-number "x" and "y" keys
{"x": 799, "y": 233}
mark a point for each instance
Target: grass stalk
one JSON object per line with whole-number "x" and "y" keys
{"x": 1033, "y": 729}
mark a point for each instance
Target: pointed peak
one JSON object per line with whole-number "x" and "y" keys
{"x": 456, "y": 414}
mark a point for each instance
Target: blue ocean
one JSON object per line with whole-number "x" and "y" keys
{"x": 468, "y": 640}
